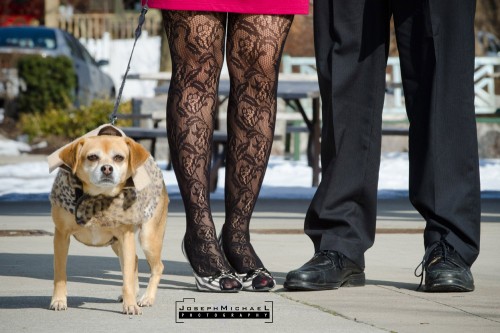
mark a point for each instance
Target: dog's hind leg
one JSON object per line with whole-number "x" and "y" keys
{"x": 151, "y": 239}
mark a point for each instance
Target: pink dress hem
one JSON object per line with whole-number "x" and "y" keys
{"x": 235, "y": 6}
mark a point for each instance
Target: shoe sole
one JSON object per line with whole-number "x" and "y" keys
{"x": 448, "y": 285}
{"x": 354, "y": 280}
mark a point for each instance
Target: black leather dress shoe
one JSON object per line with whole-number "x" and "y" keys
{"x": 445, "y": 270}
{"x": 326, "y": 270}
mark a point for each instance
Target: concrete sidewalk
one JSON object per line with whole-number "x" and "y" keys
{"x": 387, "y": 303}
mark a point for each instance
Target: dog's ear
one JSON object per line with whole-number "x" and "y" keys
{"x": 138, "y": 155}
{"x": 70, "y": 155}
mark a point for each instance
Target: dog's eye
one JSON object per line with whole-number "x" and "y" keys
{"x": 93, "y": 158}
{"x": 118, "y": 158}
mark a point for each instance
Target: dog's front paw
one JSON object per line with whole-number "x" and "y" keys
{"x": 146, "y": 301}
{"x": 58, "y": 304}
{"x": 131, "y": 309}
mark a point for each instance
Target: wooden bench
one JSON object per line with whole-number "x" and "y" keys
{"x": 395, "y": 131}
{"x": 218, "y": 149}
{"x": 141, "y": 133}
{"x": 297, "y": 129}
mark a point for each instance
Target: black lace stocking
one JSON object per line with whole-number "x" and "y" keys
{"x": 196, "y": 41}
{"x": 254, "y": 47}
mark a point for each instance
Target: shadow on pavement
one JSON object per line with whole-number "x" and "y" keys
{"x": 37, "y": 302}
{"x": 88, "y": 269}
{"x": 396, "y": 208}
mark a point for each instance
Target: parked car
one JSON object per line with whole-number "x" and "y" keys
{"x": 92, "y": 82}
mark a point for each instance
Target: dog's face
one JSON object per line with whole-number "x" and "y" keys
{"x": 104, "y": 163}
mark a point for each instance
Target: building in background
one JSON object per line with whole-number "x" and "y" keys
{"x": 22, "y": 12}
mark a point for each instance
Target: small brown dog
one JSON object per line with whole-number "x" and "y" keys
{"x": 95, "y": 200}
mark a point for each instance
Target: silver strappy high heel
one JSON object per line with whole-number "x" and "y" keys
{"x": 258, "y": 279}
{"x": 214, "y": 283}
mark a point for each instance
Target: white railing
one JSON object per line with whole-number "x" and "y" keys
{"x": 484, "y": 84}
{"x": 486, "y": 68}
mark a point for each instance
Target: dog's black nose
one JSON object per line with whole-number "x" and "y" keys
{"x": 107, "y": 169}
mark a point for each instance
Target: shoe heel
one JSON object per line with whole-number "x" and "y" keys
{"x": 355, "y": 280}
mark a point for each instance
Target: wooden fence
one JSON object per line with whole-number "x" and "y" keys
{"x": 120, "y": 26}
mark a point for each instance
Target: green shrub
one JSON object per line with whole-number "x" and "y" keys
{"x": 50, "y": 83}
{"x": 67, "y": 124}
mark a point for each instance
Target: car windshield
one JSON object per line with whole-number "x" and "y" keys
{"x": 28, "y": 38}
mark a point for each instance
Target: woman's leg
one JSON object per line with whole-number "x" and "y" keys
{"x": 196, "y": 41}
{"x": 254, "y": 48}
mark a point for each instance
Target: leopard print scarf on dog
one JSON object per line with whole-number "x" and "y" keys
{"x": 130, "y": 206}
